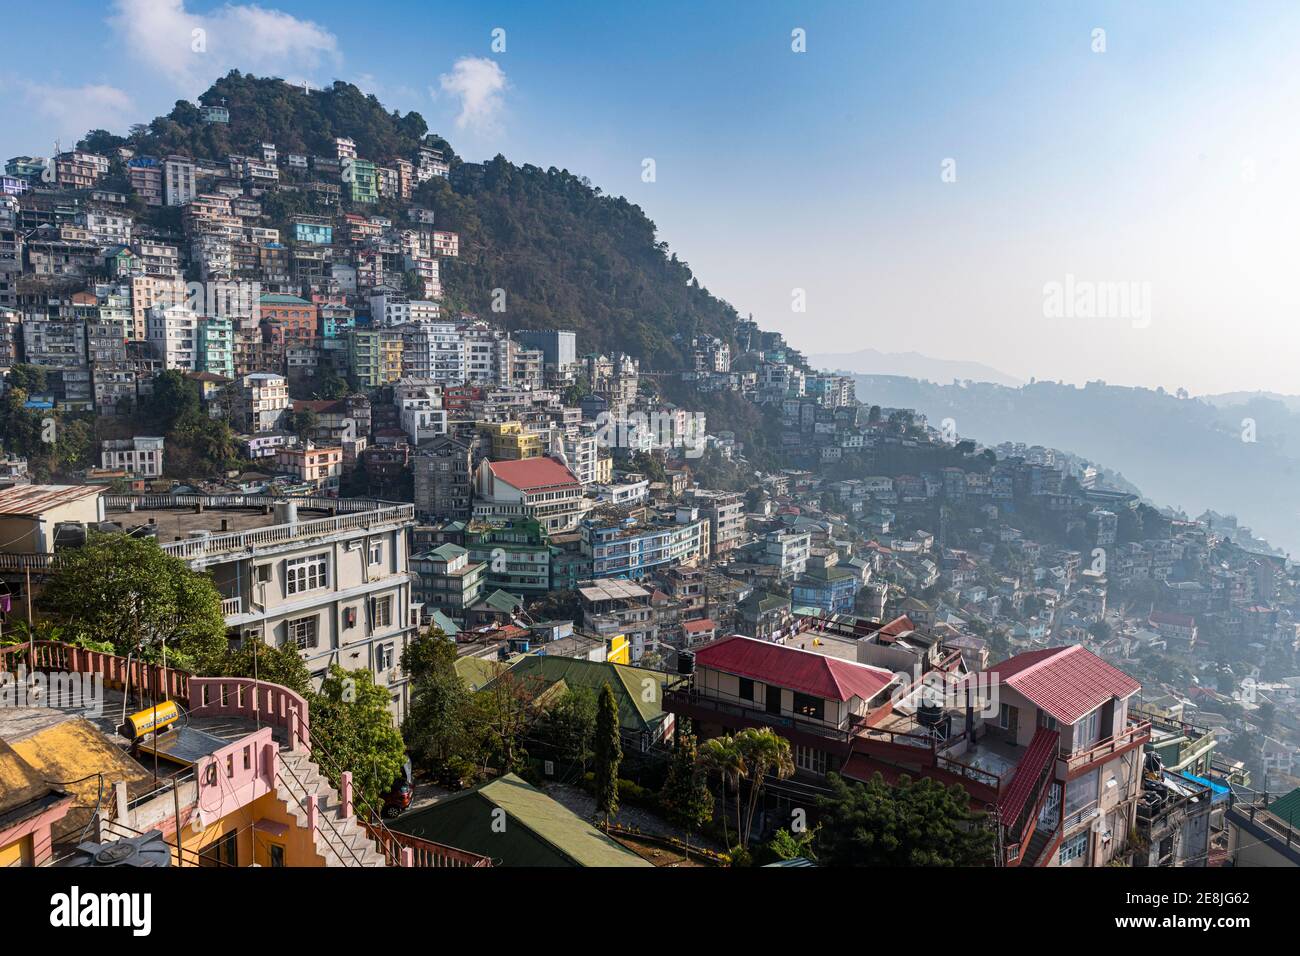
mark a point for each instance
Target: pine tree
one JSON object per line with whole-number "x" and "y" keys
{"x": 609, "y": 753}
{"x": 686, "y": 797}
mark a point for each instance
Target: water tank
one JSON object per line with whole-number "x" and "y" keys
{"x": 929, "y": 715}
{"x": 147, "y": 849}
{"x": 286, "y": 512}
{"x": 144, "y": 531}
{"x": 686, "y": 662}
{"x": 69, "y": 534}
{"x": 109, "y": 527}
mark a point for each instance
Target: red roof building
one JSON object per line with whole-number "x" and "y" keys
{"x": 1066, "y": 682}
{"x": 533, "y": 474}
{"x": 804, "y": 671}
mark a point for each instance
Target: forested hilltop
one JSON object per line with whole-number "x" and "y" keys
{"x": 565, "y": 254}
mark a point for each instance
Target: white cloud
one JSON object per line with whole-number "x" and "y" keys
{"x": 192, "y": 49}
{"x": 72, "y": 110}
{"x": 480, "y": 84}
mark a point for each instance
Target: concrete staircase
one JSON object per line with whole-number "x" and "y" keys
{"x": 340, "y": 840}
{"x": 1034, "y": 851}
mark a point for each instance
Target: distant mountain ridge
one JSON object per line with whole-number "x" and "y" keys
{"x": 912, "y": 365}
{"x": 1243, "y": 459}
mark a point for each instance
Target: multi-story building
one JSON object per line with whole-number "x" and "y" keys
{"x": 262, "y": 402}
{"x": 1046, "y": 739}
{"x": 319, "y": 466}
{"x": 613, "y": 608}
{"x": 539, "y": 488}
{"x": 725, "y": 511}
{"x": 444, "y": 479}
{"x": 298, "y": 316}
{"x": 631, "y": 546}
{"x": 329, "y": 577}
{"x": 178, "y": 180}
{"x": 510, "y": 441}
{"x": 787, "y": 550}
{"x": 361, "y": 180}
{"x": 216, "y": 347}
{"x": 517, "y": 555}
{"x": 141, "y": 456}
{"x": 829, "y": 588}
{"x": 447, "y": 580}
{"x": 173, "y": 336}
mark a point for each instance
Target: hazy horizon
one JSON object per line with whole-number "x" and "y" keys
{"x": 926, "y": 179}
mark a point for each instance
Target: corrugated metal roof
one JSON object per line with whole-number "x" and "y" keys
{"x": 1067, "y": 682}
{"x": 533, "y": 473}
{"x": 31, "y": 500}
{"x": 805, "y": 671}
{"x": 1041, "y": 749}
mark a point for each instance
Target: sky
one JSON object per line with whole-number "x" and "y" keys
{"x": 1061, "y": 191}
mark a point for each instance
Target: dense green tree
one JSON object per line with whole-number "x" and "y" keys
{"x": 685, "y": 796}
{"x": 500, "y": 715}
{"x": 568, "y": 728}
{"x": 608, "y": 753}
{"x": 281, "y": 665}
{"x": 130, "y": 593}
{"x": 915, "y": 823}
{"x": 352, "y": 730}
{"x": 435, "y": 727}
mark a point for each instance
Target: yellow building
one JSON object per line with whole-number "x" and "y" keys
{"x": 390, "y": 357}
{"x": 508, "y": 441}
{"x": 618, "y": 650}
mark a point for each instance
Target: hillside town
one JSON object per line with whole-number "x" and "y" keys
{"x": 676, "y": 617}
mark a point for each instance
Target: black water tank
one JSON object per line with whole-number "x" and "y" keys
{"x": 147, "y": 849}
{"x": 69, "y": 534}
{"x": 686, "y": 662}
{"x": 929, "y": 715}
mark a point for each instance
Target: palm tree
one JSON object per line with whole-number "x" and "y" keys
{"x": 763, "y": 753}
{"x": 720, "y": 755}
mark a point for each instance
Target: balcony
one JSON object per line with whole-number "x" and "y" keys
{"x": 1136, "y": 733}
{"x": 694, "y": 704}
{"x": 232, "y": 606}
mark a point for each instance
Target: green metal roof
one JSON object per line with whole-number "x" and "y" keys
{"x": 538, "y": 832}
{"x": 1287, "y": 808}
{"x": 640, "y": 704}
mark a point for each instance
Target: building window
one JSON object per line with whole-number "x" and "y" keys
{"x": 377, "y": 553}
{"x": 810, "y": 707}
{"x": 384, "y": 657}
{"x": 746, "y": 689}
{"x": 810, "y": 759}
{"x": 1075, "y": 848}
{"x": 302, "y": 633}
{"x": 383, "y": 612}
{"x": 306, "y": 574}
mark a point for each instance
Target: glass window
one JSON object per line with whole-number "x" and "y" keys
{"x": 1075, "y": 848}
{"x": 383, "y": 612}
{"x": 302, "y": 633}
{"x": 306, "y": 574}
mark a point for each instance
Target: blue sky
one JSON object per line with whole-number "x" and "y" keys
{"x": 1165, "y": 161}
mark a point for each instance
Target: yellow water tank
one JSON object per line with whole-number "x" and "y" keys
{"x": 152, "y": 719}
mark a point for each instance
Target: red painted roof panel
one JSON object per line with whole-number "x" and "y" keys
{"x": 804, "y": 671}
{"x": 1067, "y": 682}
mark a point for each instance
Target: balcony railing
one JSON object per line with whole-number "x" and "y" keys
{"x": 1136, "y": 732}
{"x": 752, "y": 712}
{"x": 240, "y": 541}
